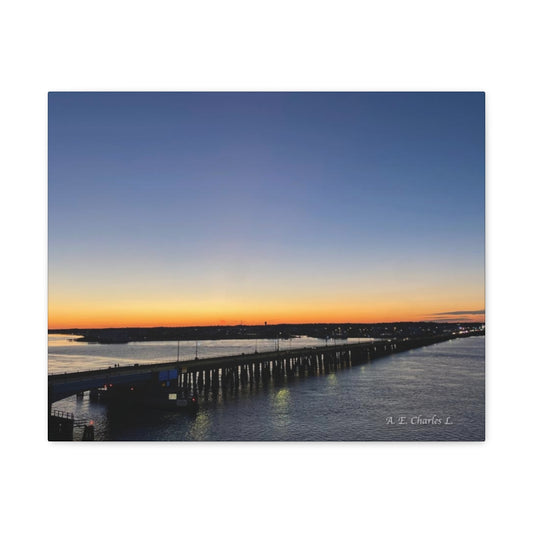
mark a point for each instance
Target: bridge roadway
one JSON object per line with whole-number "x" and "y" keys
{"x": 63, "y": 385}
{"x": 233, "y": 371}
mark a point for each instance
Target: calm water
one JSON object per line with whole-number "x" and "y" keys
{"x": 406, "y": 396}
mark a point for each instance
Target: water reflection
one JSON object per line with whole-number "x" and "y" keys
{"x": 280, "y": 412}
{"x": 199, "y": 427}
{"x": 332, "y": 379}
{"x": 280, "y": 400}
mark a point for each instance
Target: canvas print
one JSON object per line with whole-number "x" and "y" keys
{"x": 266, "y": 266}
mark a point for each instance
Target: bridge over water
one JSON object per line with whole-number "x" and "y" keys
{"x": 231, "y": 372}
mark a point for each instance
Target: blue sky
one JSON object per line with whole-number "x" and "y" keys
{"x": 243, "y": 198}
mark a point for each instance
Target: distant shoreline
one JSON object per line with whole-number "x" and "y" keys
{"x": 274, "y": 331}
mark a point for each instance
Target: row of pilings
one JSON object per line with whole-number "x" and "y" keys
{"x": 312, "y": 362}
{"x": 255, "y": 369}
{"x": 234, "y": 372}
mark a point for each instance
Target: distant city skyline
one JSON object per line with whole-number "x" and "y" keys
{"x": 178, "y": 209}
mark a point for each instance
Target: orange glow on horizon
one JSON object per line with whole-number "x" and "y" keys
{"x": 370, "y": 304}
{"x": 132, "y": 318}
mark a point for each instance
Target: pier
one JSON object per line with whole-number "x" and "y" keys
{"x": 204, "y": 376}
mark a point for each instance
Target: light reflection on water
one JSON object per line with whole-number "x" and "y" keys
{"x": 199, "y": 429}
{"x": 280, "y": 412}
{"x": 67, "y": 355}
{"x": 445, "y": 379}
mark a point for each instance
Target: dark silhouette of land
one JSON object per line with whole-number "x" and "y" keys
{"x": 274, "y": 331}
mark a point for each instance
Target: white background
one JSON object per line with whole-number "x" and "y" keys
{"x": 289, "y": 45}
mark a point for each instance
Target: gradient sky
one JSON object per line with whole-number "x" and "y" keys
{"x": 220, "y": 208}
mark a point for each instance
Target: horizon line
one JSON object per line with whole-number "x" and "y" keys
{"x": 434, "y": 321}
